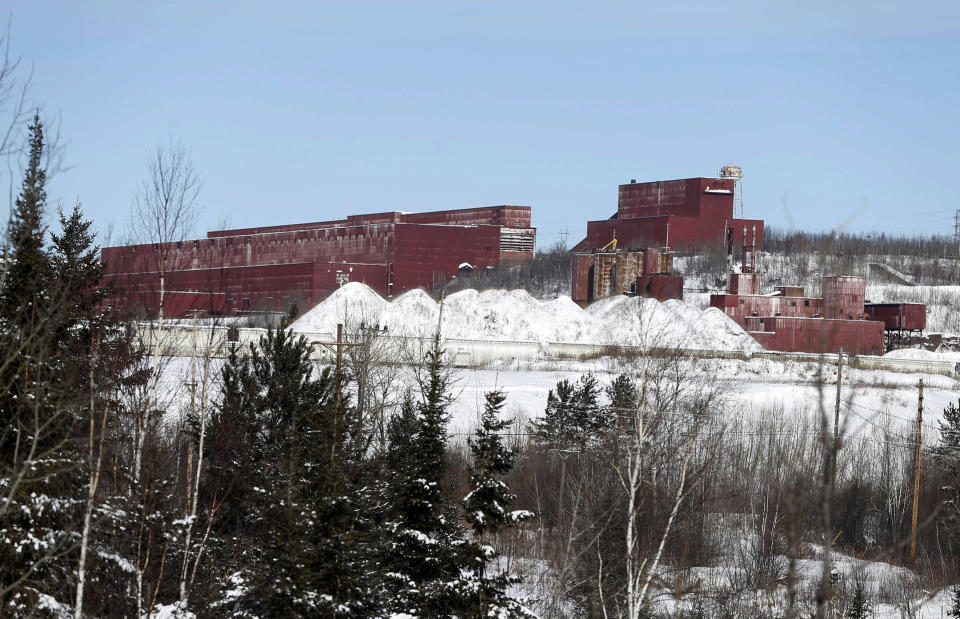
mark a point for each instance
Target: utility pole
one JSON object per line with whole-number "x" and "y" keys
{"x": 337, "y": 347}
{"x": 956, "y": 230}
{"x": 836, "y": 421}
{"x": 563, "y": 235}
{"x": 916, "y": 477}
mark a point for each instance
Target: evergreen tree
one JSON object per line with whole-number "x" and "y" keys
{"x": 26, "y": 266}
{"x": 76, "y": 271}
{"x": 401, "y": 430}
{"x": 955, "y": 603}
{"x": 38, "y": 409}
{"x": 947, "y": 456}
{"x": 425, "y": 550}
{"x": 624, "y": 399}
{"x": 574, "y": 418}
{"x": 948, "y": 450}
{"x": 304, "y": 548}
{"x": 859, "y": 606}
{"x": 487, "y": 506}
{"x": 590, "y": 419}
{"x": 555, "y": 430}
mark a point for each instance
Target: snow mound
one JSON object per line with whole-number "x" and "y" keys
{"x": 919, "y": 354}
{"x": 352, "y": 304}
{"x": 504, "y": 315}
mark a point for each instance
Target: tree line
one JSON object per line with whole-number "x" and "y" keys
{"x": 269, "y": 497}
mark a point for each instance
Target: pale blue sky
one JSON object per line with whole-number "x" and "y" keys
{"x": 307, "y": 111}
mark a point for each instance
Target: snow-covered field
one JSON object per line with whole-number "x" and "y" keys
{"x": 754, "y": 389}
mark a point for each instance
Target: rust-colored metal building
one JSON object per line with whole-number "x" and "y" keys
{"x": 817, "y": 335}
{"x": 688, "y": 213}
{"x": 609, "y": 272}
{"x": 274, "y": 268}
{"x": 685, "y": 213}
{"x": 898, "y": 316}
{"x": 789, "y": 321}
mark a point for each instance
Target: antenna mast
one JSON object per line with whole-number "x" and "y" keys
{"x": 734, "y": 173}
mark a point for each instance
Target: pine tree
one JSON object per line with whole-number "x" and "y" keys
{"x": 487, "y": 506}
{"x": 624, "y": 398}
{"x": 574, "y": 418}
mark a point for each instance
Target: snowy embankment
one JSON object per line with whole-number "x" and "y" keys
{"x": 515, "y": 315}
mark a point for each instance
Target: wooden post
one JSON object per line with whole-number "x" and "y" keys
{"x": 916, "y": 476}
{"x": 836, "y": 422}
{"x": 339, "y": 350}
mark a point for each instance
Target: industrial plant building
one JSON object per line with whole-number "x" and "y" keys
{"x": 276, "y": 268}
{"x": 630, "y": 253}
{"x": 624, "y": 254}
{"x": 288, "y": 267}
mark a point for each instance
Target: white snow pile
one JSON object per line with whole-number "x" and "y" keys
{"x": 919, "y": 354}
{"x": 515, "y": 315}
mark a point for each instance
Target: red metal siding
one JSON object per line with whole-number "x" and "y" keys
{"x": 767, "y": 339}
{"x": 820, "y": 335}
{"x": 743, "y": 283}
{"x": 427, "y": 256}
{"x": 506, "y": 215}
{"x": 660, "y": 286}
{"x": 898, "y": 316}
{"x": 684, "y": 198}
{"x": 651, "y": 261}
{"x": 580, "y": 291}
{"x": 248, "y": 264}
{"x": 740, "y": 307}
{"x": 843, "y": 296}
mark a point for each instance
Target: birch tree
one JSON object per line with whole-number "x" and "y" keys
{"x": 164, "y": 211}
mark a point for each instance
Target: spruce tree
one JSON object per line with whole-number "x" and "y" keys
{"x": 555, "y": 430}
{"x": 303, "y": 550}
{"x": 423, "y": 554}
{"x": 26, "y": 266}
{"x": 859, "y": 606}
{"x": 76, "y": 270}
{"x": 38, "y": 409}
{"x": 487, "y": 509}
{"x": 947, "y": 456}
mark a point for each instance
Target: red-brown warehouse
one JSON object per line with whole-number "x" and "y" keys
{"x": 277, "y": 267}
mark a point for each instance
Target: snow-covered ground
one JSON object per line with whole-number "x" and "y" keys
{"x": 515, "y": 315}
{"x": 754, "y": 389}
